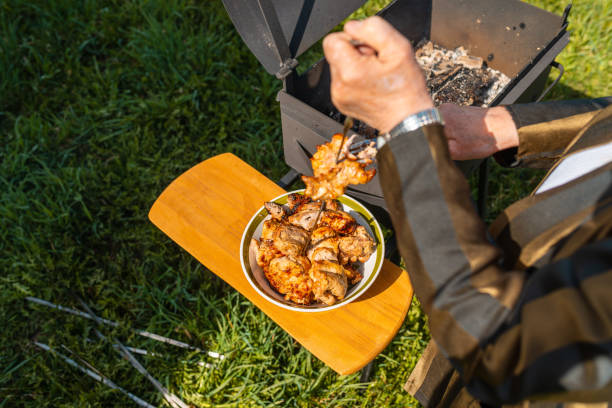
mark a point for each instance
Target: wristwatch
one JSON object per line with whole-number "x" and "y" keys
{"x": 412, "y": 122}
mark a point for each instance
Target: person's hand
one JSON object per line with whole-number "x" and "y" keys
{"x": 381, "y": 83}
{"x": 476, "y": 133}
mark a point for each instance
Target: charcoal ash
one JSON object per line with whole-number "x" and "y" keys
{"x": 455, "y": 76}
{"x": 461, "y": 86}
{"x": 452, "y": 76}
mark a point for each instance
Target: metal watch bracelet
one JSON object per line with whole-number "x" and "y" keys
{"x": 412, "y": 122}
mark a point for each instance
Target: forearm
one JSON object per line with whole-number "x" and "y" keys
{"x": 531, "y": 135}
{"x": 474, "y": 133}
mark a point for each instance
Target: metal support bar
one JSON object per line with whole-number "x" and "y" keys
{"x": 366, "y": 372}
{"x": 566, "y": 15}
{"x": 271, "y": 20}
{"x": 278, "y": 37}
{"x": 288, "y": 179}
{"x": 557, "y": 79}
{"x": 483, "y": 187}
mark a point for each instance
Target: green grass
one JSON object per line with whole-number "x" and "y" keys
{"x": 102, "y": 105}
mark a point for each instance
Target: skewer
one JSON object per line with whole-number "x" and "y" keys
{"x": 313, "y": 227}
{"x": 143, "y": 333}
{"x": 173, "y": 400}
{"x": 144, "y": 352}
{"x": 95, "y": 374}
{"x": 348, "y": 123}
{"x": 357, "y": 146}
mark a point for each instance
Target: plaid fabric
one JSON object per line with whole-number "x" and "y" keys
{"x": 529, "y": 317}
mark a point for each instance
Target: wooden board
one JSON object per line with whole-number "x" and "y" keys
{"x": 205, "y": 211}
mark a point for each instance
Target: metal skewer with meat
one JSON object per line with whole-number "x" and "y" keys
{"x": 331, "y": 177}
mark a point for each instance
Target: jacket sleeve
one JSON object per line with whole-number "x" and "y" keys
{"x": 546, "y": 128}
{"x": 493, "y": 324}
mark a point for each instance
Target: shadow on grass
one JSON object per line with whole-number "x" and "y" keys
{"x": 562, "y": 91}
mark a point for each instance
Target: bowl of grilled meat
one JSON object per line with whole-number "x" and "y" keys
{"x": 306, "y": 258}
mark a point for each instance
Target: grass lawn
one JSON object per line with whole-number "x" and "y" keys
{"x": 102, "y": 105}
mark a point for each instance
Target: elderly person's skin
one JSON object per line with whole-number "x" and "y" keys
{"x": 383, "y": 84}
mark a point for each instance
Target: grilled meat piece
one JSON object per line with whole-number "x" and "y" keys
{"x": 291, "y": 240}
{"x": 358, "y": 246}
{"x": 329, "y": 282}
{"x": 330, "y": 177}
{"x": 305, "y": 219}
{"x": 288, "y": 239}
{"x": 306, "y": 212}
{"x": 352, "y": 274}
{"x": 325, "y": 253}
{"x": 333, "y": 205}
{"x": 294, "y": 200}
{"x": 277, "y": 211}
{"x": 339, "y": 221}
{"x": 266, "y": 252}
{"x": 324, "y": 250}
{"x": 320, "y": 233}
{"x": 270, "y": 228}
{"x": 289, "y": 276}
{"x": 315, "y": 205}
{"x": 308, "y": 206}
{"x": 323, "y": 245}
{"x": 298, "y": 202}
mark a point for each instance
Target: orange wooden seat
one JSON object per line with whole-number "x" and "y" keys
{"x": 205, "y": 211}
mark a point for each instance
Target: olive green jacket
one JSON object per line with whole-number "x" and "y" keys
{"x": 528, "y": 316}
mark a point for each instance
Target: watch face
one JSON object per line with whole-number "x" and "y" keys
{"x": 382, "y": 139}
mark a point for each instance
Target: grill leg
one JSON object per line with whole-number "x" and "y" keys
{"x": 483, "y": 187}
{"x": 366, "y": 372}
{"x": 288, "y": 179}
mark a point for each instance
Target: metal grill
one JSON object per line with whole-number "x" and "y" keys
{"x": 515, "y": 38}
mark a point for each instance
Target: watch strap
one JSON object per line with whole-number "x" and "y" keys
{"x": 412, "y": 122}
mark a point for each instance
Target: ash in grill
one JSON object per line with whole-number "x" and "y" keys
{"x": 452, "y": 76}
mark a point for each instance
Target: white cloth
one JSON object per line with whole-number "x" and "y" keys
{"x": 577, "y": 165}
